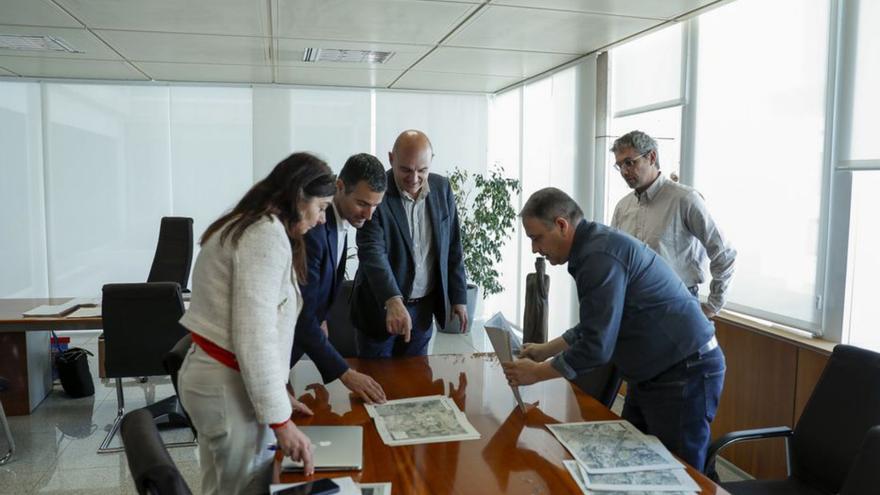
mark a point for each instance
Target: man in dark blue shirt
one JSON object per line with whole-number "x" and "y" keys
{"x": 634, "y": 312}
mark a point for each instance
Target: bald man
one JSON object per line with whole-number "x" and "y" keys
{"x": 411, "y": 267}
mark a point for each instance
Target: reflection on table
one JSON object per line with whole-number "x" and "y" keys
{"x": 515, "y": 455}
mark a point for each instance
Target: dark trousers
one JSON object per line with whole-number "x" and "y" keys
{"x": 678, "y": 405}
{"x": 422, "y": 315}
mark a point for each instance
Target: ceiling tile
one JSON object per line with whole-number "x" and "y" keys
{"x": 35, "y": 13}
{"x": 445, "y": 81}
{"x": 290, "y": 52}
{"x": 336, "y": 77}
{"x": 659, "y": 9}
{"x": 508, "y": 63}
{"x": 401, "y": 21}
{"x": 195, "y": 48}
{"x": 233, "y": 17}
{"x": 518, "y": 28}
{"x": 207, "y": 72}
{"x": 79, "y": 39}
{"x": 67, "y": 68}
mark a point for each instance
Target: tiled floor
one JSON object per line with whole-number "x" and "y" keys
{"x": 56, "y": 445}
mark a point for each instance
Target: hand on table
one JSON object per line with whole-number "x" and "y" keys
{"x": 364, "y": 386}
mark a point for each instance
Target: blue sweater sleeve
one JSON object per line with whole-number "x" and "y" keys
{"x": 601, "y": 286}
{"x": 308, "y": 337}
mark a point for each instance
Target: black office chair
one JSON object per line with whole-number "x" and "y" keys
{"x": 864, "y": 476}
{"x": 342, "y": 334}
{"x": 602, "y": 384}
{"x": 140, "y": 327}
{"x": 172, "y": 361}
{"x": 4, "y": 386}
{"x": 174, "y": 251}
{"x": 151, "y": 467}
{"x": 824, "y": 444}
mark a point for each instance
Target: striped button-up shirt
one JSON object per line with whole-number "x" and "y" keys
{"x": 422, "y": 236}
{"x": 673, "y": 220}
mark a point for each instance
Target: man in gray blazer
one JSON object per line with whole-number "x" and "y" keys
{"x": 411, "y": 266}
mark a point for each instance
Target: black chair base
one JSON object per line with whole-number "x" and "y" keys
{"x": 167, "y": 413}
{"x": 11, "y": 451}
{"x": 4, "y": 385}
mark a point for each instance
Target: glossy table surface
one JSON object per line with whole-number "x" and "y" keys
{"x": 516, "y": 453}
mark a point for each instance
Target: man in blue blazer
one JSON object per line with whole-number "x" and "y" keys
{"x": 411, "y": 266}
{"x": 359, "y": 190}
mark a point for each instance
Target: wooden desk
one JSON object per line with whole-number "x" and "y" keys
{"x": 24, "y": 351}
{"x": 516, "y": 454}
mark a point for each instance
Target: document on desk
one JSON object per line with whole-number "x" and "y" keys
{"x": 86, "y": 312}
{"x": 660, "y": 480}
{"x": 417, "y": 420}
{"x": 506, "y": 345}
{"x": 577, "y": 472}
{"x": 61, "y": 309}
{"x": 603, "y": 447}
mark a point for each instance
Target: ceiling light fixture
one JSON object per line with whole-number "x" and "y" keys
{"x": 36, "y": 43}
{"x": 349, "y": 56}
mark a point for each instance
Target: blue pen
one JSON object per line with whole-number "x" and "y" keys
{"x": 272, "y": 447}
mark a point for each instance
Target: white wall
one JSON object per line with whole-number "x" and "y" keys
{"x": 88, "y": 170}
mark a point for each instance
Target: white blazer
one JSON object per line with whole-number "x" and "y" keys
{"x": 246, "y": 300}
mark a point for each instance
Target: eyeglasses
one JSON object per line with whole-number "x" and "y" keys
{"x": 629, "y": 162}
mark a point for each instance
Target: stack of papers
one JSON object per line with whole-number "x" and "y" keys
{"x": 417, "y": 420}
{"x": 614, "y": 456}
{"x": 506, "y": 345}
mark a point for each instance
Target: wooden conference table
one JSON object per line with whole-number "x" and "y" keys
{"x": 24, "y": 351}
{"x": 516, "y": 454}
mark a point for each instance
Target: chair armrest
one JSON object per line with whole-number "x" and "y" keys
{"x": 743, "y": 435}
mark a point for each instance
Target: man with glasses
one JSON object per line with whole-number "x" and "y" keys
{"x": 672, "y": 219}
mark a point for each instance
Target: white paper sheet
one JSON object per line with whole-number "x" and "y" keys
{"x": 613, "y": 447}
{"x": 576, "y": 472}
{"x": 504, "y": 342}
{"x": 418, "y": 420}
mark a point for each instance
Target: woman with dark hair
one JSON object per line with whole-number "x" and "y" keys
{"x": 245, "y": 302}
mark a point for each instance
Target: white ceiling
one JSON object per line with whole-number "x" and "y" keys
{"x": 448, "y": 45}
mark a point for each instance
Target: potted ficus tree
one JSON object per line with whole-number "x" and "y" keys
{"x": 486, "y": 216}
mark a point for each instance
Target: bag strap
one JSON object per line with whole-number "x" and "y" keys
{"x": 73, "y": 354}
{"x": 55, "y": 343}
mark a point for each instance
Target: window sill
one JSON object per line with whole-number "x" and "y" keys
{"x": 794, "y": 336}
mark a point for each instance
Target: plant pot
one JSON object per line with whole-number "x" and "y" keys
{"x": 452, "y": 323}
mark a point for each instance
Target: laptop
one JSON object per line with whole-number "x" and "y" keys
{"x": 336, "y": 448}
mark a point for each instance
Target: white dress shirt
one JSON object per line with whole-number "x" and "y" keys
{"x": 342, "y": 227}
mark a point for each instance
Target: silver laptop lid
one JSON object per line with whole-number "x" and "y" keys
{"x": 337, "y": 448}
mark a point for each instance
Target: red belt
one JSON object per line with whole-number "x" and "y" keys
{"x": 215, "y": 351}
{"x": 225, "y": 358}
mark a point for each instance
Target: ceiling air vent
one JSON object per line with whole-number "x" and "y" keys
{"x": 36, "y": 43}
{"x": 338, "y": 55}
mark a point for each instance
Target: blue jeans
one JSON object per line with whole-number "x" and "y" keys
{"x": 422, "y": 316}
{"x": 678, "y": 405}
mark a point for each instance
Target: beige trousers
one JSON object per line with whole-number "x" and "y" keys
{"x": 233, "y": 450}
